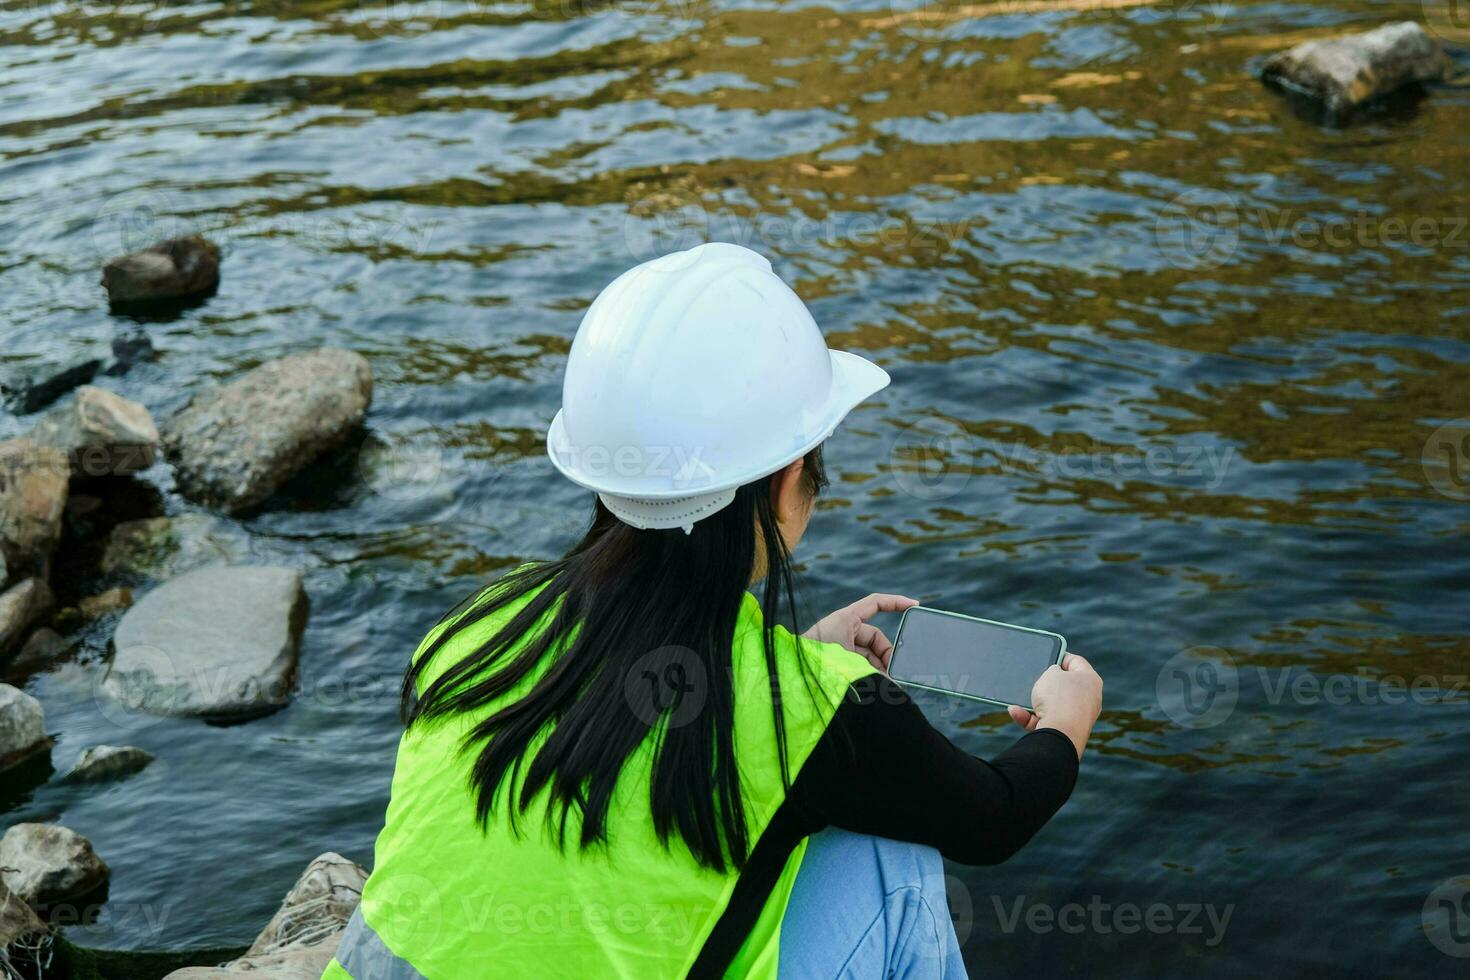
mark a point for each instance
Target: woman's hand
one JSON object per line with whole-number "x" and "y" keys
{"x": 848, "y": 626}
{"x": 1067, "y": 698}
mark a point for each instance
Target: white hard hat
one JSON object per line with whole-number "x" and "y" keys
{"x": 692, "y": 375}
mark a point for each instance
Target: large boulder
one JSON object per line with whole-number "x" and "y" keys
{"x": 103, "y": 434}
{"x": 234, "y": 446}
{"x": 44, "y": 863}
{"x": 302, "y": 937}
{"x": 218, "y": 643}
{"x": 101, "y": 763}
{"x": 33, "y": 488}
{"x": 161, "y": 548}
{"x": 179, "y": 268}
{"x": 21, "y": 606}
{"x": 22, "y": 727}
{"x": 1343, "y": 73}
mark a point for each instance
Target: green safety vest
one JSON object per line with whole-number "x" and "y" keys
{"x": 448, "y": 898}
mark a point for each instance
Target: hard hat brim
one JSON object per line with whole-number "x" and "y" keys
{"x": 854, "y": 379}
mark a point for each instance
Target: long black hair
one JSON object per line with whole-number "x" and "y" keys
{"x": 637, "y": 615}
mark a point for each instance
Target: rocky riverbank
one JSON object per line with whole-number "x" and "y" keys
{"x": 109, "y": 520}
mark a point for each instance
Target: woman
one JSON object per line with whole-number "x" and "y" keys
{"x": 617, "y": 763}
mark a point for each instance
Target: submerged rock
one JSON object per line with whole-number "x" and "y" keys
{"x": 22, "y": 727}
{"x": 43, "y": 863}
{"x": 1343, "y": 73}
{"x": 33, "y": 488}
{"x": 99, "y": 605}
{"x": 102, "y": 434}
{"x": 44, "y": 648}
{"x": 218, "y": 643}
{"x": 21, "y": 606}
{"x": 129, "y": 349}
{"x": 164, "y": 547}
{"x": 234, "y": 446}
{"x": 302, "y": 936}
{"x": 104, "y": 762}
{"x": 30, "y": 387}
{"x": 178, "y": 268}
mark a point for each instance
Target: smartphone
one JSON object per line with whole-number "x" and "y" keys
{"x": 971, "y": 658}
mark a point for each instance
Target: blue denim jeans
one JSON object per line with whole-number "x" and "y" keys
{"x": 867, "y": 908}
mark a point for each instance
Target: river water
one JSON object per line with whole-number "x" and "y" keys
{"x": 1170, "y": 360}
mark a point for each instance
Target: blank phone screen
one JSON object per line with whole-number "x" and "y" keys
{"x": 984, "y": 660}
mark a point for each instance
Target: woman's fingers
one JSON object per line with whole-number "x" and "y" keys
{"x": 867, "y": 608}
{"x": 1022, "y": 717}
{"x": 879, "y": 647}
{"x": 1073, "y": 661}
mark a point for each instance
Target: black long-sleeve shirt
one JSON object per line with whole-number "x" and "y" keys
{"x": 882, "y": 769}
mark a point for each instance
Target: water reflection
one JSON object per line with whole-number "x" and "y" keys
{"x": 1170, "y": 362}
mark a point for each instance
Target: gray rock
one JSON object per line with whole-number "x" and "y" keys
{"x": 103, "y": 434}
{"x": 218, "y": 643}
{"x": 319, "y": 904}
{"x": 295, "y": 963}
{"x": 178, "y": 268}
{"x": 44, "y": 863}
{"x": 44, "y": 648}
{"x": 22, "y": 727}
{"x": 303, "y": 935}
{"x": 33, "y": 488}
{"x": 164, "y": 547}
{"x": 1346, "y": 72}
{"x": 30, "y": 387}
{"x": 104, "y": 762}
{"x": 234, "y": 446}
{"x": 21, "y": 606}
